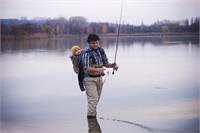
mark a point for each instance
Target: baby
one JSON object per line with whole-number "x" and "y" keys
{"x": 76, "y": 53}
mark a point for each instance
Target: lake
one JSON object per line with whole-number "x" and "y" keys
{"x": 156, "y": 88}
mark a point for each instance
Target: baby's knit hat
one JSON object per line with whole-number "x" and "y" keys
{"x": 74, "y": 48}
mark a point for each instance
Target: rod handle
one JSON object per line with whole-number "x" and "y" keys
{"x": 113, "y": 71}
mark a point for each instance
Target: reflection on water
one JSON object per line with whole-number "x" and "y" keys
{"x": 93, "y": 126}
{"x": 156, "y": 86}
{"x": 63, "y": 44}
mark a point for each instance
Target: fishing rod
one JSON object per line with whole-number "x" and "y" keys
{"x": 118, "y": 31}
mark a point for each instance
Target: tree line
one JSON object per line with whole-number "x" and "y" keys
{"x": 78, "y": 25}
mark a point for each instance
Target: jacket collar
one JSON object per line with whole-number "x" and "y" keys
{"x": 90, "y": 49}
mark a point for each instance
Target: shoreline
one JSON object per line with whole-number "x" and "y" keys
{"x": 45, "y": 36}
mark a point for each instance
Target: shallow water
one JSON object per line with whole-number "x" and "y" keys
{"x": 156, "y": 88}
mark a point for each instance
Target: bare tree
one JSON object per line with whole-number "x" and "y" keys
{"x": 77, "y": 24}
{"x": 104, "y": 28}
{"x": 60, "y": 25}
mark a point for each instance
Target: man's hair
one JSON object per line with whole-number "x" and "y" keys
{"x": 92, "y": 37}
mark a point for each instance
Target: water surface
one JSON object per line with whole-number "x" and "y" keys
{"x": 156, "y": 88}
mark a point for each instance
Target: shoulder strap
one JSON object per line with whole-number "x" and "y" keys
{"x": 80, "y": 60}
{"x": 102, "y": 52}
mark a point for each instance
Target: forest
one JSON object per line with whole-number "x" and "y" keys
{"x": 78, "y": 25}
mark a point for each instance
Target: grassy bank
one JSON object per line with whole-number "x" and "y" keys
{"x": 21, "y": 37}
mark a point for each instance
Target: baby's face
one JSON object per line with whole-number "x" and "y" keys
{"x": 78, "y": 51}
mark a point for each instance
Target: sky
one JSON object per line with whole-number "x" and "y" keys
{"x": 133, "y": 11}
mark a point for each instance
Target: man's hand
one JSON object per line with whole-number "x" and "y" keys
{"x": 101, "y": 71}
{"x": 115, "y": 66}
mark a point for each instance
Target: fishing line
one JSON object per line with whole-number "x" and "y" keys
{"x": 118, "y": 31}
{"x": 105, "y": 78}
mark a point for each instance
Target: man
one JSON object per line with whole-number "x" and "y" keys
{"x": 93, "y": 60}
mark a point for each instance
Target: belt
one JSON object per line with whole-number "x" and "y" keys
{"x": 94, "y": 76}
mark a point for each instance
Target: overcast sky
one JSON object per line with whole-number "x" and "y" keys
{"x": 134, "y": 11}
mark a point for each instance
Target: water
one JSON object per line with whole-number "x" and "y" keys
{"x": 156, "y": 88}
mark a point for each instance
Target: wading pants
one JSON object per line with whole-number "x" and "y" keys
{"x": 93, "y": 86}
